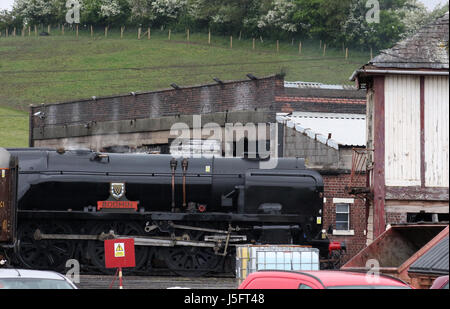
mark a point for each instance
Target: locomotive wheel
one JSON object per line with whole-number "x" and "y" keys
{"x": 96, "y": 249}
{"x": 44, "y": 254}
{"x": 191, "y": 261}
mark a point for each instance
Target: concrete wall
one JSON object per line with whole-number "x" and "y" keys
{"x": 317, "y": 155}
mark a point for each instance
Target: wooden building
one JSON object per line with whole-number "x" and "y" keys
{"x": 408, "y": 129}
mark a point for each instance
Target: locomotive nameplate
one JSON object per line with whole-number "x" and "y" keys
{"x": 117, "y": 205}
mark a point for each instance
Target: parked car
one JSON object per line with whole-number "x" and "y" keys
{"x": 11, "y": 278}
{"x": 319, "y": 280}
{"x": 440, "y": 283}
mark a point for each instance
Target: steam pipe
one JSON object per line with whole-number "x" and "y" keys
{"x": 173, "y": 167}
{"x": 185, "y": 167}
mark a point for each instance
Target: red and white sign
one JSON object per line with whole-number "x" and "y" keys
{"x": 119, "y": 253}
{"x": 117, "y": 205}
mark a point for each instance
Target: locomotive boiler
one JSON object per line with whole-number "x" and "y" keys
{"x": 186, "y": 214}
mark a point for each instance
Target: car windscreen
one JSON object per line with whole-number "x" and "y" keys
{"x": 368, "y": 287}
{"x": 24, "y": 283}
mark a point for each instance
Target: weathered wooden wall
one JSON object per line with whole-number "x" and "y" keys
{"x": 402, "y": 130}
{"x": 436, "y": 127}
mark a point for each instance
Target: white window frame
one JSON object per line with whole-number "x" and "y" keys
{"x": 349, "y": 202}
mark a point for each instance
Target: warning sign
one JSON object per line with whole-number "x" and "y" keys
{"x": 119, "y": 253}
{"x": 119, "y": 250}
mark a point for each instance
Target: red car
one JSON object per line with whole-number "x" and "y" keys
{"x": 440, "y": 283}
{"x": 319, "y": 280}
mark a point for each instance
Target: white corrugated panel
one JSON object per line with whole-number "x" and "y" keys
{"x": 402, "y": 131}
{"x": 436, "y": 131}
{"x": 345, "y": 129}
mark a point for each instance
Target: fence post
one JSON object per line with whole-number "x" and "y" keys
{"x": 121, "y": 32}
{"x": 170, "y": 34}
{"x": 371, "y": 53}
{"x": 188, "y": 35}
{"x": 48, "y": 29}
{"x": 300, "y": 48}
{"x": 149, "y": 35}
{"x": 324, "y": 49}
{"x": 346, "y": 53}
{"x": 139, "y": 33}
{"x": 278, "y": 46}
{"x": 35, "y": 30}
{"x": 209, "y": 36}
{"x": 231, "y": 42}
{"x": 106, "y": 31}
{"x": 254, "y": 45}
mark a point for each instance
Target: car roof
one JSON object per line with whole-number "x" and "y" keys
{"x": 330, "y": 278}
{"x": 9, "y": 273}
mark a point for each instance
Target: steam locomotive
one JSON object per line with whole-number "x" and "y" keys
{"x": 185, "y": 214}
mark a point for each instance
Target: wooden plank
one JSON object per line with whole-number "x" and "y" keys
{"x": 436, "y": 131}
{"x": 417, "y": 193}
{"x": 422, "y": 131}
{"x": 379, "y": 223}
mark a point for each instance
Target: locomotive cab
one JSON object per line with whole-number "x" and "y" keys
{"x": 8, "y": 206}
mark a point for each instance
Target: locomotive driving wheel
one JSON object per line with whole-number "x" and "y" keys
{"x": 44, "y": 254}
{"x": 191, "y": 261}
{"x": 96, "y": 249}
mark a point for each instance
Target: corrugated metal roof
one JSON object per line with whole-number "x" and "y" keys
{"x": 435, "y": 261}
{"x": 345, "y": 129}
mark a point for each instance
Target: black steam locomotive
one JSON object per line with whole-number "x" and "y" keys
{"x": 186, "y": 214}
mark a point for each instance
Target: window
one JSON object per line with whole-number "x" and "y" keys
{"x": 342, "y": 217}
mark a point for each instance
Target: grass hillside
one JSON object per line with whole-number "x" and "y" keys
{"x": 35, "y": 70}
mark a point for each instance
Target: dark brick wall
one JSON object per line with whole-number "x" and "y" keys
{"x": 334, "y": 187}
{"x": 232, "y": 96}
{"x": 396, "y": 218}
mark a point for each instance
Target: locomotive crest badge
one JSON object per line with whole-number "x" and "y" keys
{"x": 117, "y": 199}
{"x": 117, "y": 190}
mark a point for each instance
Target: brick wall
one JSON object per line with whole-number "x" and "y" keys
{"x": 396, "y": 218}
{"x": 214, "y": 98}
{"x": 334, "y": 187}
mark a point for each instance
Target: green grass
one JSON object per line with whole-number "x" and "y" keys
{"x": 35, "y": 70}
{"x": 13, "y": 128}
